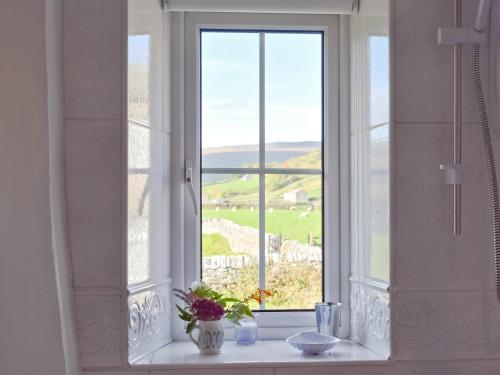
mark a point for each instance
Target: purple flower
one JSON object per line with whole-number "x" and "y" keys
{"x": 206, "y": 309}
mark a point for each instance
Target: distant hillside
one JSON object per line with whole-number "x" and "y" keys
{"x": 248, "y": 155}
{"x": 245, "y": 189}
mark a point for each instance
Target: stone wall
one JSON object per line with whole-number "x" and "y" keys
{"x": 246, "y": 240}
{"x": 221, "y": 271}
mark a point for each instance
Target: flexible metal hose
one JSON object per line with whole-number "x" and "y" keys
{"x": 490, "y": 160}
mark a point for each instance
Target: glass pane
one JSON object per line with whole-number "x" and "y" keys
{"x": 139, "y": 228}
{"x": 377, "y": 205}
{"x": 229, "y": 99}
{"x": 230, "y": 233}
{"x": 139, "y": 90}
{"x": 379, "y": 80}
{"x": 376, "y": 208}
{"x": 293, "y": 100}
{"x": 294, "y": 236}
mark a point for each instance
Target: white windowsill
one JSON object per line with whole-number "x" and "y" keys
{"x": 268, "y": 353}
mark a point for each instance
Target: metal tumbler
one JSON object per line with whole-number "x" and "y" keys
{"x": 328, "y": 318}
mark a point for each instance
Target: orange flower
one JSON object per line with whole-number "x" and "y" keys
{"x": 259, "y": 295}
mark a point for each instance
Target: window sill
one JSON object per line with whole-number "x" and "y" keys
{"x": 268, "y": 353}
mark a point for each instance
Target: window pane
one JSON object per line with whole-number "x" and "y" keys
{"x": 294, "y": 240}
{"x": 293, "y": 101}
{"x": 229, "y": 99}
{"x": 376, "y": 213}
{"x": 230, "y": 233}
{"x": 377, "y": 205}
{"x": 379, "y": 80}
{"x": 139, "y": 71}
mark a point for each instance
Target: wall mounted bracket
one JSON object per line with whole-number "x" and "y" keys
{"x": 460, "y": 35}
{"x": 453, "y": 173}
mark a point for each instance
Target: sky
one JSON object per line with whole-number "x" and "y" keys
{"x": 230, "y": 85}
{"x": 230, "y": 88}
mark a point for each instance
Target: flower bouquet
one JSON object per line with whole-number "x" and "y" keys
{"x": 204, "y": 310}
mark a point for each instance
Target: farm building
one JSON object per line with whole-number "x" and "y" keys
{"x": 296, "y": 196}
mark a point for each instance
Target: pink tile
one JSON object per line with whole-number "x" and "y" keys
{"x": 426, "y": 251}
{"x": 445, "y": 324}
{"x": 93, "y": 59}
{"x": 94, "y": 199}
{"x": 98, "y": 320}
{"x": 424, "y": 69}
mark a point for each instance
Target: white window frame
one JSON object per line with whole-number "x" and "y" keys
{"x": 186, "y": 254}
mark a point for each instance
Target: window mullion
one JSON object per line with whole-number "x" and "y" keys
{"x": 262, "y": 161}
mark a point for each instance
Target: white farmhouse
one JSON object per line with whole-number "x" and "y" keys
{"x": 296, "y": 196}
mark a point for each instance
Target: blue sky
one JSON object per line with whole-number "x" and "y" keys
{"x": 138, "y": 49}
{"x": 230, "y": 88}
{"x": 379, "y": 79}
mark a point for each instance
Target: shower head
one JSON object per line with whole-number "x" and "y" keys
{"x": 482, "y": 15}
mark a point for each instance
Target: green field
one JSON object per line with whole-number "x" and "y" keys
{"x": 215, "y": 244}
{"x": 287, "y": 223}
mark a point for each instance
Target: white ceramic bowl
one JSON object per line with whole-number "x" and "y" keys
{"x": 311, "y": 342}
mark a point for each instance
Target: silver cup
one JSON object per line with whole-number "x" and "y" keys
{"x": 328, "y": 318}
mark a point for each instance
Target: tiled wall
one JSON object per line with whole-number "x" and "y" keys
{"x": 92, "y": 53}
{"x": 443, "y": 305}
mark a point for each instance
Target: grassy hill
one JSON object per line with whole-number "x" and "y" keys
{"x": 242, "y": 192}
{"x": 244, "y": 189}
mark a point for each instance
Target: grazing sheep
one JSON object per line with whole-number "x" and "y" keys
{"x": 304, "y": 215}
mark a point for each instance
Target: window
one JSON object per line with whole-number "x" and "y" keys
{"x": 378, "y": 158}
{"x": 262, "y": 176}
{"x": 261, "y": 132}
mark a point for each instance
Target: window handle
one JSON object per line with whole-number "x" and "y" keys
{"x": 188, "y": 179}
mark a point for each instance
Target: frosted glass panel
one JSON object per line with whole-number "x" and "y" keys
{"x": 379, "y": 80}
{"x": 146, "y": 142}
{"x": 139, "y": 147}
{"x": 139, "y": 228}
{"x": 139, "y": 76}
{"x": 377, "y": 202}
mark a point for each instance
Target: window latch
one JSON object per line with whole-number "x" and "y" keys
{"x": 188, "y": 179}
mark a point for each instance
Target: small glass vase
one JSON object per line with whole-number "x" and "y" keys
{"x": 210, "y": 336}
{"x": 246, "y": 332}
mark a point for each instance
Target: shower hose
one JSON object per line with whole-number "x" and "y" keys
{"x": 490, "y": 161}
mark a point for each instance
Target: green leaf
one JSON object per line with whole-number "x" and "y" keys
{"x": 247, "y": 311}
{"x": 190, "y": 326}
{"x": 185, "y": 318}
{"x": 184, "y": 315}
{"x": 229, "y": 299}
{"x": 182, "y": 311}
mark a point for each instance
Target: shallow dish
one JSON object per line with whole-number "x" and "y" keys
{"x": 310, "y": 342}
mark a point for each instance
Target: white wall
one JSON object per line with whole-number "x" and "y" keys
{"x": 34, "y": 339}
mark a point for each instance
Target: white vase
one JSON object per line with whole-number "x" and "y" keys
{"x": 210, "y": 336}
